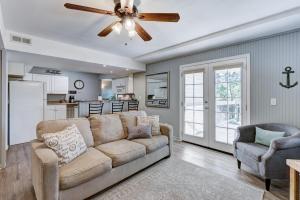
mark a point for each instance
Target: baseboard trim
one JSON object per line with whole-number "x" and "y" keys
{"x": 208, "y": 148}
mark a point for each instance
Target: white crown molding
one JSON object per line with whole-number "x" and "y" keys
{"x": 274, "y": 24}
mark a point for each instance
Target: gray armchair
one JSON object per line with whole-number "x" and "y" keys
{"x": 268, "y": 162}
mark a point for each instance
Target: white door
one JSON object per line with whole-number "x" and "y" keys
{"x": 214, "y": 103}
{"x": 195, "y": 105}
{"x": 227, "y": 105}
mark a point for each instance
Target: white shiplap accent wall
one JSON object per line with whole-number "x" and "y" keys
{"x": 269, "y": 57}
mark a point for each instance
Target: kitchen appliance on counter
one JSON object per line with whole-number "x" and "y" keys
{"x": 126, "y": 97}
{"x": 71, "y": 99}
{"x": 26, "y": 109}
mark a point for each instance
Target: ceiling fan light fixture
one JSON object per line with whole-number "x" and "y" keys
{"x": 129, "y": 24}
{"x": 131, "y": 33}
{"x": 117, "y": 27}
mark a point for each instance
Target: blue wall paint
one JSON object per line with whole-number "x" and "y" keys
{"x": 269, "y": 56}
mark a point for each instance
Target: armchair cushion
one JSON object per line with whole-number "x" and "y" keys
{"x": 252, "y": 150}
{"x": 85, "y": 167}
{"x": 265, "y": 137}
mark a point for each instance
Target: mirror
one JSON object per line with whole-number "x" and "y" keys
{"x": 157, "y": 90}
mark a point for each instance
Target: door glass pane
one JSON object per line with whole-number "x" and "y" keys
{"x": 221, "y": 90}
{"x": 198, "y": 78}
{"x": 188, "y": 128}
{"x": 198, "y": 90}
{"x": 198, "y": 103}
{"x": 221, "y": 76}
{"x": 221, "y": 105}
{"x": 234, "y": 75}
{"x": 198, "y": 130}
{"x": 189, "y": 103}
{"x": 189, "y": 79}
{"x": 189, "y": 90}
{"x": 189, "y": 116}
{"x": 198, "y": 116}
{"x": 221, "y": 119}
{"x": 194, "y": 99}
{"x": 228, "y": 104}
{"x": 221, "y": 135}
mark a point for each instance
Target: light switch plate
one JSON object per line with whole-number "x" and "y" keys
{"x": 273, "y": 101}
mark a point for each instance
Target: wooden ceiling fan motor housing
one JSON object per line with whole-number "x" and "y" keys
{"x": 121, "y": 13}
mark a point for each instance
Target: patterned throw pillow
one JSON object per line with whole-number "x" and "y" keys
{"x": 68, "y": 144}
{"x": 139, "y": 132}
{"x": 150, "y": 120}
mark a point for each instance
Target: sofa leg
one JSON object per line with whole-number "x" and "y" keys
{"x": 268, "y": 184}
{"x": 239, "y": 164}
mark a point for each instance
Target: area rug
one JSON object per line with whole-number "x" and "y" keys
{"x": 174, "y": 179}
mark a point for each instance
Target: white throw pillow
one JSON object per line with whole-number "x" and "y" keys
{"x": 68, "y": 144}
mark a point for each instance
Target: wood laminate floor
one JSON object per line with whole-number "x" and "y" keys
{"x": 15, "y": 179}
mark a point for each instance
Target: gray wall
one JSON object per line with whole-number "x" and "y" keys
{"x": 91, "y": 88}
{"x": 269, "y": 56}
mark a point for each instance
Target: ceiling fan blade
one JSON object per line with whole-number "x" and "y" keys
{"x": 160, "y": 17}
{"x": 88, "y": 9}
{"x": 142, "y": 33}
{"x": 127, "y": 4}
{"x": 107, "y": 30}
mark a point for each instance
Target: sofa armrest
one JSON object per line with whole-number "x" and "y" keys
{"x": 167, "y": 130}
{"x": 245, "y": 134}
{"x": 286, "y": 142}
{"x": 45, "y": 172}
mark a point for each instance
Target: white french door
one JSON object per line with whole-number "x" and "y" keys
{"x": 214, "y": 102}
{"x": 195, "y": 105}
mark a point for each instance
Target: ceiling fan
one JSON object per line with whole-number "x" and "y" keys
{"x": 128, "y": 16}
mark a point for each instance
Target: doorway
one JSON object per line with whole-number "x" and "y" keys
{"x": 214, "y": 101}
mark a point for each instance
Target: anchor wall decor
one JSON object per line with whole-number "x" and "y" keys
{"x": 288, "y": 71}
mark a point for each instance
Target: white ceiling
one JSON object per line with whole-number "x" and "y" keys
{"x": 199, "y": 18}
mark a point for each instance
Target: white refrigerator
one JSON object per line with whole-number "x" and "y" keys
{"x": 26, "y": 109}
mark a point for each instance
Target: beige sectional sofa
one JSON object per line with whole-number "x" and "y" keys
{"x": 109, "y": 159}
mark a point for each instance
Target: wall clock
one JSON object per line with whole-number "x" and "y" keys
{"x": 79, "y": 84}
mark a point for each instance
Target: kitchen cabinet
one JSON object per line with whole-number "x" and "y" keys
{"x": 16, "y": 69}
{"x": 55, "y": 112}
{"x": 55, "y": 84}
{"x": 60, "y": 84}
{"x": 44, "y": 78}
{"x": 49, "y": 113}
{"x": 122, "y": 85}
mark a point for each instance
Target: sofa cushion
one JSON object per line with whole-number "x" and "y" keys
{"x": 252, "y": 150}
{"x": 84, "y": 168}
{"x": 106, "y": 128}
{"x": 129, "y": 119}
{"x": 122, "y": 151}
{"x": 54, "y": 126}
{"x": 154, "y": 143}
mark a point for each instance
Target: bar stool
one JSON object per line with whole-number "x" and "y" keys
{"x": 95, "y": 108}
{"x": 117, "y": 107}
{"x": 133, "y": 105}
